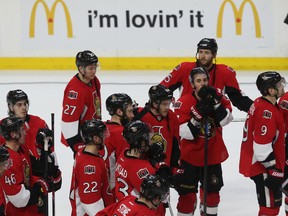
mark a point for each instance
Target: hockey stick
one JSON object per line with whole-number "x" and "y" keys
{"x": 53, "y": 192}
{"x": 205, "y": 169}
{"x": 46, "y": 199}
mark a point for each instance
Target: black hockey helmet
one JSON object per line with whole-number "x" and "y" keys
{"x": 14, "y": 96}
{"x": 91, "y": 128}
{"x": 197, "y": 70}
{"x": 154, "y": 187}
{"x": 159, "y": 93}
{"x": 9, "y": 125}
{"x": 117, "y": 101}
{"x": 4, "y": 154}
{"x": 208, "y": 43}
{"x": 86, "y": 58}
{"x": 135, "y": 132}
{"x": 268, "y": 79}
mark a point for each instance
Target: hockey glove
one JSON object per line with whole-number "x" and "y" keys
{"x": 202, "y": 109}
{"x": 176, "y": 176}
{"x": 162, "y": 169}
{"x": 56, "y": 181}
{"x": 274, "y": 179}
{"x": 156, "y": 152}
{"x": 43, "y": 135}
{"x": 43, "y": 186}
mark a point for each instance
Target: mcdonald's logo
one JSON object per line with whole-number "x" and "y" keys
{"x": 50, "y": 14}
{"x": 238, "y": 14}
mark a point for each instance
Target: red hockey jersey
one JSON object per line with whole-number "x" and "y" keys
{"x": 263, "y": 133}
{"x": 165, "y": 130}
{"x": 80, "y": 102}
{"x": 128, "y": 206}
{"x": 179, "y": 77}
{"x": 130, "y": 172}
{"x": 15, "y": 181}
{"x": 192, "y": 151}
{"x": 89, "y": 185}
{"x": 283, "y": 102}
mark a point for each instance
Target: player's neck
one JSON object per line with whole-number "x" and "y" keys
{"x": 91, "y": 149}
{"x": 116, "y": 119}
{"x": 146, "y": 202}
{"x": 272, "y": 99}
{"x": 13, "y": 145}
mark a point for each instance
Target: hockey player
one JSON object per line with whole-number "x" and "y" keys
{"x": 81, "y": 100}
{"x": 221, "y": 76}
{"x": 153, "y": 191}
{"x": 4, "y": 165}
{"x": 262, "y": 157}
{"x": 202, "y": 115}
{"x": 119, "y": 107}
{"x": 283, "y": 104}
{"x": 132, "y": 167}
{"x": 89, "y": 186}
{"x": 18, "y": 105}
{"x": 21, "y": 190}
{"x": 164, "y": 125}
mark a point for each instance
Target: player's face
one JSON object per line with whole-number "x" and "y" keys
{"x": 129, "y": 112}
{"x": 205, "y": 58}
{"x": 89, "y": 72}
{"x": 200, "y": 80}
{"x": 164, "y": 107}
{"x": 280, "y": 87}
{"x": 23, "y": 134}
{"x": 20, "y": 109}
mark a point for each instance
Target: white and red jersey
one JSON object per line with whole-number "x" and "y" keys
{"x": 15, "y": 182}
{"x": 130, "y": 172}
{"x": 220, "y": 76}
{"x": 115, "y": 142}
{"x": 128, "y": 206}
{"x": 283, "y": 102}
{"x": 80, "y": 102}
{"x": 89, "y": 185}
{"x": 32, "y": 125}
{"x": 192, "y": 149}
{"x": 263, "y": 133}
{"x": 114, "y": 145}
{"x": 164, "y": 130}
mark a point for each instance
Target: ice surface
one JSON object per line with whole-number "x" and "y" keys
{"x": 45, "y": 91}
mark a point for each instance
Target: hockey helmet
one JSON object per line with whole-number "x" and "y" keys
{"x": 197, "y": 70}
{"x": 208, "y": 43}
{"x": 4, "y": 154}
{"x": 86, "y": 58}
{"x": 14, "y": 96}
{"x": 135, "y": 132}
{"x": 268, "y": 79}
{"x": 91, "y": 128}
{"x": 159, "y": 93}
{"x": 154, "y": 187}
{"x": 117, "y": 101}
{"x": 9, "y": 125}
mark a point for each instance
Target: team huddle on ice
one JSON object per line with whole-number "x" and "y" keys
{"x": 125, "y": 165}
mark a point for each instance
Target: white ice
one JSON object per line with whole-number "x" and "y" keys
{"x": 45, "y": 91}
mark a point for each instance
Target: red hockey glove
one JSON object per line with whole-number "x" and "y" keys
{"x": 274, "y": 179}
{"x": 43, "y": 186}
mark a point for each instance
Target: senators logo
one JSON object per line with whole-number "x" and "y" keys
{"x": 89, "y": 169}
{"x": 142, "y": 173}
